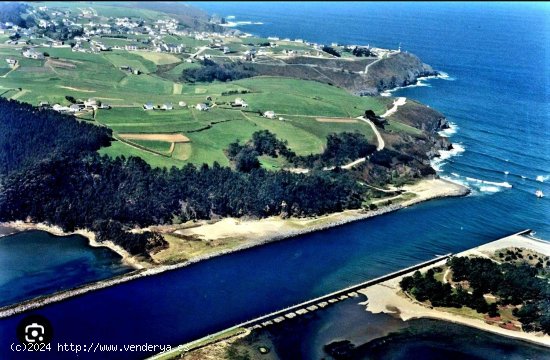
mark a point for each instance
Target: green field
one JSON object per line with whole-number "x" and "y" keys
{"x": 85, "y": 75}
{"x": 158, "y": 146}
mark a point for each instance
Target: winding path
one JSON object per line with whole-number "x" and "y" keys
{"x": 400, "y": 101}
{"x": 379, "y": 138}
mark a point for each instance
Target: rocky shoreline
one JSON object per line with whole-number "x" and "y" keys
{"x": 350, "y": 216}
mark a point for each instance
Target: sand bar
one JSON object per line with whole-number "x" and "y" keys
{"x": 386, "y": 298}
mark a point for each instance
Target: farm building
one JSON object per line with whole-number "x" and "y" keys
{"x": 167, "y": 106}
{"x": 11, "y": 62}
{"x": 90, "y": 103}
{"x": 33, "y": 54}
{"x": 75, "y": 107}
{"x": 239, "y": 103}
{"x": 201, "y": 107}
{"x": 148, "y": 106}
{"x": 182, "y": 104}
{"x": 269, "y": 114}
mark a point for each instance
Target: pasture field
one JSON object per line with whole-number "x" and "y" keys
{"x": 159, "y": 146}
{"x": 158, "y": 58}
{"x": 82, "y": 75}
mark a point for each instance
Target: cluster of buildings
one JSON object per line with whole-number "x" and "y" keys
{"x": 80, "y": 105}
{"x": 32, "y": 53}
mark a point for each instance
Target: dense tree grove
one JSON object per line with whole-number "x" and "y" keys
{"x": 331, "y": 50}
{"x": 341, "y": 148}
{"x": 361, "y": 51}
{"x": 29, "y": 135}
{"x": 12, "y": 11}
{"x": 222, "y": 72}
{"x": 512, "y": 284}
{"x": 50, "y": 172}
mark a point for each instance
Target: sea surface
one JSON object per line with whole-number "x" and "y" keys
{"x": 495, "y": 92}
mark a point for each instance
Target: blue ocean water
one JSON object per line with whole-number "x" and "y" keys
{"x": 497, "y": 95}
{"x": 496, "y": 57}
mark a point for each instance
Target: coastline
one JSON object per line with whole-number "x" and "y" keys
{"x": 425, "y": 190}
{"x": 126, "y": 257}
{"x": 387, "y": 297}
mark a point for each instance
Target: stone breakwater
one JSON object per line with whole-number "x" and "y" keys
{"x": 354, "y": 215}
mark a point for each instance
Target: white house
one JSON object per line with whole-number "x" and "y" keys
{"x": 60, "y": 108}
{"x": 148, "y": 106}
{"x": 11, "y": 62}
{"x": 201, "y": 107}
{"x": 90, "y": 103}
{"x": 167, "y": 106}
{"x": 240, "y": 102}
{"x": 33, "y": 54}
{"x": 182, "y": 104}
{"x": 269, "y": 114}
{"x": 75, "y": 108}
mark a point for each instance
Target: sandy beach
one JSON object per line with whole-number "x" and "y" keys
{"x": 387, "y": 297}
{"x": 275, "y": 227}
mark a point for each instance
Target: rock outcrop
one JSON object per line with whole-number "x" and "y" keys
{"x": 398, "y": 69}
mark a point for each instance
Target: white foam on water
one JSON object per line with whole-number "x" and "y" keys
{"x": 437, "y": 163}
{"x": 455, "y": 174}
{"x": 523, "y": 177}
{"x": 506, "y": 172}
{"x": 451, "y": 130}
{"x": 499, "y": 184}
{"x": 489, "y": 189}
{"x": 241, "y": 23}
{"x": 542, "y": 178}
{"x": 230, "y": 17}
{"x": 456, "y": 150}
{"x": 444, "y": 76}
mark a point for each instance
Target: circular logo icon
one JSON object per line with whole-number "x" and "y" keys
{"x": 34, "y": 329}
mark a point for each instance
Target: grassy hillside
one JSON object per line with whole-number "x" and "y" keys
{"x": 307, "y": 107}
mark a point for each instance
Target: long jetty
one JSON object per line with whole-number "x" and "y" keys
{"x": 301, "y": 308}
{"x": 291, "y": 311}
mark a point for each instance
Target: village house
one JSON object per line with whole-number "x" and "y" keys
{"x": 148, "y": 106}
{"x": 33, "y": 54}
{"x": 11, "y": 62}
{"x": 167, "y": 106}
{"x": 90, "y": 103}
{"x": 182, "y": 104}
{"x": 201, "y": 107}
{"x": 239, "y": 102}
{"x": 269, "y": 114}
{"x": 75, "y": 107}
{"x": 60, "y": 108}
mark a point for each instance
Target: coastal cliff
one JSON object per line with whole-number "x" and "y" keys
{"x": 362, "y": 77}
{"x": 398, "y": 69}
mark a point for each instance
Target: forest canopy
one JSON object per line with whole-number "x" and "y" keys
{"x": 50, "y": 172}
